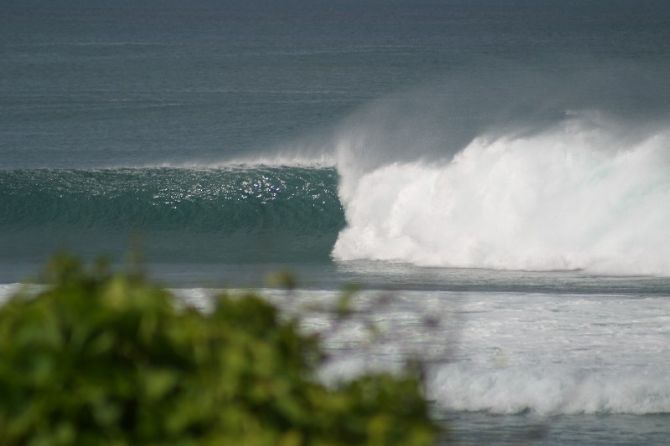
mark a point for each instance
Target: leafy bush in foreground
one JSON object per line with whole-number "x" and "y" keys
{"x": 97, "y": 358}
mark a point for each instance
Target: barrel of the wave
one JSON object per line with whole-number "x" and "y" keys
{"x": 178, "y": 214}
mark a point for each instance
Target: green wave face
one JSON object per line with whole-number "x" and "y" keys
{"x": 255, "y": 214}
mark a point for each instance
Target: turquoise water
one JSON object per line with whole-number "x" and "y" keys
{"x": 503, "y": 165}
{"x": 176, "y": 215}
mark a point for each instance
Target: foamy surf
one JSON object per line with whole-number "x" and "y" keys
{"x": 551, "y": 390}
{"x": 510, "y": 353}
{"x": 500, "y": 353}
{"x": 578, "y": 195}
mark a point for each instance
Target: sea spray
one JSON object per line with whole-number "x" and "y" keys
{"x": 516, "y": 170}
{"x": 571, "y": 197}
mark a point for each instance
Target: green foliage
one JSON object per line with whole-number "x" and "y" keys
{"x": 111, "y": 359}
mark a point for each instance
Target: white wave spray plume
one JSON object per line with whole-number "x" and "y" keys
{"x": 546, "y": 189}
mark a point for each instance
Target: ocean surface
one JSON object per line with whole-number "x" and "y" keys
{"x": 493, "y": 174}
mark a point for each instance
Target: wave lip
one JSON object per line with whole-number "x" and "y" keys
{"x": 575, "y": 196}
{"x": 258, "y": 161}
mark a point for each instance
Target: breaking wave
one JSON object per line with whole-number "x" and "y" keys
{"x": 504, "y": 170}
{"x": 571, "y": 197}
{"x": 539, "y": 176}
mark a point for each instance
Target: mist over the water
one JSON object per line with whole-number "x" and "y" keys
{"x": 513, "y": 168}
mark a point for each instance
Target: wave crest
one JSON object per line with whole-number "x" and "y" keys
{"x": 583, "y": 194}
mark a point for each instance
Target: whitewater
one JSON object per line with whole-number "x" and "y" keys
{"x": 569, "y": 357}
{"x": 579, "y": 195}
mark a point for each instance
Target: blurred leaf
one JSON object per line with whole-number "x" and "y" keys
{"x": 102, "y": 359}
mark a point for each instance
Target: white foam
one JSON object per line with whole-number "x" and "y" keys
{"x": 577, "y": 196}
{"x": 559, "y": 354}
{"x": 7, "y": 290}
{"x": 513, "y": 353}
{"x": 551, "y": 390}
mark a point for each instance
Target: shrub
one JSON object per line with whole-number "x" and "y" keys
{"x": 112, "y": 359}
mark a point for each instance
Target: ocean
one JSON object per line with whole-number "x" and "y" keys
{"x": 494, "y": 176}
